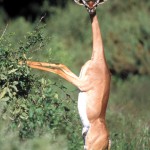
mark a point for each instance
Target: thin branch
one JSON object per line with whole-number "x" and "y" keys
{"x": 4, "y": 31}
{"x": 42, "y": 18}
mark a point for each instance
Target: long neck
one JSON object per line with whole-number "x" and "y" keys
{"x": 98, "y": 51}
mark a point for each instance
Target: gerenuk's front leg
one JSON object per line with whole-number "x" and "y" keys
{"x": 52, "y": 65}
{"x": 62, "y": 71}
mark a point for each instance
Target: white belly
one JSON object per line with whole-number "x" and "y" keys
{"x": 82, "y": 109}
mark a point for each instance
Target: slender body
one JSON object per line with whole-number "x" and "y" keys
{"x": 98, "y": 76}
{"x": 94, "y": 85}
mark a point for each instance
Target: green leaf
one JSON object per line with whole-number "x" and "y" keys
{"x": 56, "y": 96}
{"x": 3, "y": 77}
{"x": 5, "y": 99}
{"x": 31, "y": 112}
{"x": 14, "y": 87}
{"x": 24, "y": 116}
{"x": 2, "y": 94}
{"x": 16, "y": 111}
{"x": 15, "y": 82}
{"x": 12, "y": 71}
{"x": 9, "y": 93}
{"x": 24, "y": 106}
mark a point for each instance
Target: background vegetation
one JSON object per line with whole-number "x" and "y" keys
{"x": 38, "y": 110}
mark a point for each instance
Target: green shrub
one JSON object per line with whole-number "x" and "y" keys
{"x": 9, "y": 140}
{"x": 31, "y": 102}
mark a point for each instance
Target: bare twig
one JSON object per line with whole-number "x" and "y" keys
{"x": 42, "y": 18}
{"x": 4, "y": 31}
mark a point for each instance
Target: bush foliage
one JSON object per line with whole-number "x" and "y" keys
{"x": 32, "y": 103}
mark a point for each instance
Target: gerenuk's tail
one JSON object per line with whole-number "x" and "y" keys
{"x": 109, "y": 145}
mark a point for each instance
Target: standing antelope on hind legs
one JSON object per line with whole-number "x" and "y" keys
{"x": 94, "y": 86}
